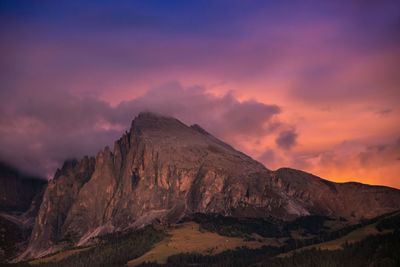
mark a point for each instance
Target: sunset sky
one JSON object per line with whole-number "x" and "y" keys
{"x": 313, "y": 85}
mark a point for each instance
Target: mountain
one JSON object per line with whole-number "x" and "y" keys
{"x": 163, "y": 171}
{"x": 20, "y": 198}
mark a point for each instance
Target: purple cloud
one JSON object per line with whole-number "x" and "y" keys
{"x": 287, "y": 139}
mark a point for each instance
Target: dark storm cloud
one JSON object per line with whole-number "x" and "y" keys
{"x": 40, "y": 130}
{"x": 287, "y": 139}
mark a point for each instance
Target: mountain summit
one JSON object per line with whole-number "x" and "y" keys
{"x": 162, "y": 171}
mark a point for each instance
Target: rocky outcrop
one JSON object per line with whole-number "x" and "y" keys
{"x": 162, "y": 170}
{"x": 61, "y": 193}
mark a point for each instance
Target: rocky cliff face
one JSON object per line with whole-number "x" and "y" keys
{"x": 162, "y": 170}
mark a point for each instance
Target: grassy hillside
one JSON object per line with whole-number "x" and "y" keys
{"x": 190, "y": 238}
{"x": 58, "y": 257}
{"x": 379, "y": 249}
{"x": 374, "y": 251}
{"x": 354, "y": 236}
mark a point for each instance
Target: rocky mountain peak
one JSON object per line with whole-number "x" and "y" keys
{"x": 155, "y": 126}
{"x": 155, "y": 120}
